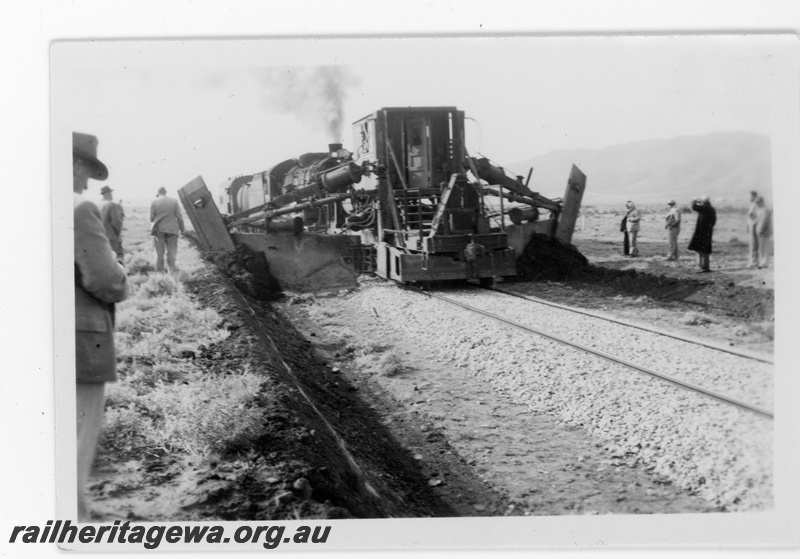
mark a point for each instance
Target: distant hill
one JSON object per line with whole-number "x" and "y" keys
{"x": 722, "y": 165}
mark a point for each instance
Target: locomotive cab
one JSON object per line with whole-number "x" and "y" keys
{"x": 428, "y": 211}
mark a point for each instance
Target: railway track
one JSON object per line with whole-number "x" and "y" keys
{"x": 676, "y": 380}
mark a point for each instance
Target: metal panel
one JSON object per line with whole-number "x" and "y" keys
{"x": 205, "y": 217}
{"x": 308, "y": 261}
{"x": 572, "y": 205}
{"x": 418, "y": 267}
{"x": 456, "y": 243}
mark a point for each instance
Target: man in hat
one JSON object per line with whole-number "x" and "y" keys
{"x": 100, "y": 281}
{"x": 112, "y": 214}
{"x": 762, "y": 231}
{"x": 165, "y": 225}
{"x": 633, "y": 217}
{"x": 673, "y": 227}
{"x": 752, "y": 215}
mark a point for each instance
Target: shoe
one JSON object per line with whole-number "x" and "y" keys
{"x": 704, "y": 271}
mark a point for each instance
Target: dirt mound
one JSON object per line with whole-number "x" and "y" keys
{"x": 249, "y": 271}
{"x": 714, "y": 294}
{"x": 546, "y": 258}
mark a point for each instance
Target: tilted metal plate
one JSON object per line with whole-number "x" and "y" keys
{"x": 205, "y": 217}
{"x": 572, "y": 205}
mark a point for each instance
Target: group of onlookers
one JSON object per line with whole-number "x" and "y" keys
{"x": 759, "y": 227}
{"x": 100, "y": 282}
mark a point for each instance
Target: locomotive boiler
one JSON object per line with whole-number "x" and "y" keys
{"x": 410, "y": 205}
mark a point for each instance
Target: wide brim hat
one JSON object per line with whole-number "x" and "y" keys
{"x": 671, "y": 203}
{"x": 106, "y": 189}
{"x": 84, "y": 146}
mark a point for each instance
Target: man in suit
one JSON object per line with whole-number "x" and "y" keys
{"x": 634, "y": 216}
{"x": 100, "y": 281}
{"x": 113, "y": 216}
{"x": 673, "y": 227}
{"x": 762, "y": 231}
{"x": 165, "y": 225}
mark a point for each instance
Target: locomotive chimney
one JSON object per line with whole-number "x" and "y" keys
{"x": 333, "y": 149}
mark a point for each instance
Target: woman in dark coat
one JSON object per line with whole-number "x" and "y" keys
{"x": 626, "y": 247}
{"x": 703, "y": 231}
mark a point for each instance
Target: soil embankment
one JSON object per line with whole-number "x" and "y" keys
{"x": 550, "y": 260}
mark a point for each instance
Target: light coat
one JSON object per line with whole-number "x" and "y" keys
{"x": 763, "y": 221}
{"x": 673, "y": 218}
{"x": 165, "y": 216}
{"x": 634, "y": 216}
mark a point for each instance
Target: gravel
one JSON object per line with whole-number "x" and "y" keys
{"x": 719, "y": 451}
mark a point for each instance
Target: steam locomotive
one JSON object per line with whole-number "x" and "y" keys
{"x": 410, "y": 205}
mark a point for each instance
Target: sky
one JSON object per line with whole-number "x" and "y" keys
{"x": 168, "y": 111}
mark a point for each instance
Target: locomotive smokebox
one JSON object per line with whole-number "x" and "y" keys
{"x": 333, "y": 149}
{"x": 339, "y": 178}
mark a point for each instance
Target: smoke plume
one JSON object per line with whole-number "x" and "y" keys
{"x": 313, "y": 94}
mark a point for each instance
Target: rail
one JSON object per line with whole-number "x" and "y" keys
{"x": 681, "y": 383}
{"x": 747, "y": 355}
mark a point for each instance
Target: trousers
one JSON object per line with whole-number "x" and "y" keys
{"x": 116, "y": 244}
{"x": 758, "y": 249}
{"x": 168, "y": 242}
{"x": 672, "y": 254}
{"x": 634, "y": 238}
{"x": 89, "y": 405}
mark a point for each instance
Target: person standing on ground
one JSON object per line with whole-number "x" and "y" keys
{"x": 762, "y": 231}
{"x": 633, "y": 218}
{"x": 100, "y": 281}
{"x": 623, "y": 227}
{"x": 751, "y": 230}
{"x": 165, "y": 225}
{"x": 703, "y": 231}
{"x": 113, "y": 215}
{"x": 673, "y": 227}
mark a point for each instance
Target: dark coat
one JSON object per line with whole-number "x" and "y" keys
{"x": 100, "y": 281}
{"x": 704, "y": 229}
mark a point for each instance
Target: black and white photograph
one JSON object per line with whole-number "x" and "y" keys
{"x": 465, "y": 292}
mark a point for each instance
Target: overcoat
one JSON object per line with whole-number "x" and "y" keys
{"x": 112, "y": 215}
{"x": 704, "y": 229}
{"x": 100, "y": 281}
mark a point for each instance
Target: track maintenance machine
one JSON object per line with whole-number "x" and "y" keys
{"x": 410, "y": 205}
